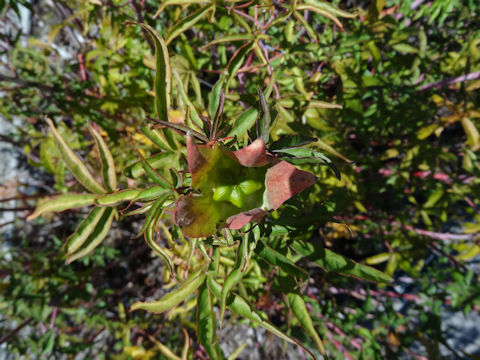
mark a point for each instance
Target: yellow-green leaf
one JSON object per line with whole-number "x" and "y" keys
{"x": 108, "y": 165}
{"x": 73, "y": 162}
{"x": 187, "y": 22}
{"x": 83, "y": 230}
{"x": 299, "y": 309}
{"x": 96, "y": 237}
{"x": 174, "y": 297}
{"x": 473, "y": 137}
{"x": 63, "y": 202}
{"x": 163, "y": 81}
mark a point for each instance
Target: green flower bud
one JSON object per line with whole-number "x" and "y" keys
{"x": 237, "y": 197}
{"x": 250, "y": 186}
{"x": 222, "y": 193}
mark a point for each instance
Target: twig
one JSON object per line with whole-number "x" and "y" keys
{"x": 269, "y": 69}
{"x": 5, "y": 337}
{"x": 442, "y": 236}
{"x": 441, "y": 83}
{"x": 238, "y": 12}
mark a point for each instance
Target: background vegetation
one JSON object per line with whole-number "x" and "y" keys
{"x": 389, "y": 90}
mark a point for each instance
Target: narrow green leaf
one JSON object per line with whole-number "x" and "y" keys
{"x": 63, "y": 202}
{"x": 235, "y": 275}
{"x": 326, "y": 6}
{"x": 182, "y": 129}
{"x": 214, "y": 98}
{"x": 163, "y": 81}
{"x": 263, "y": 130}
{"x": 207, "y": 323}
{"x": 108, "y": 165}
{"x": 177, "y": 2}
{"x": 243, "y": 308}
{"x": 229, "y": 39}
{"x": 244, "y": 122}
{"x": 275, "y": 258}
{"x": 151, "y": 193}
{"x": 75, "y": 165}
{"x": 218, "y": 116}
{"x": 117, "y": 197}
{"x": 154, "y": 212}
{"x": 174, "y": 297}
{"x": 324, "y": 146}
{"x": 139, "y": 211}
{"x": 236, "y": 353}
{"x": 187, "y": 22}
{"x": 306, "y": 25}
{"x": 83, "y": 230}
{"x": 156, "y": 136}
{"x": 149, "y": 235}
{"x": 96, "y": 237}
{"x": 164, "y": 350}
{"x": 154, "y": 175}
{"x": 308, "y": 156}
{"x": 405, "y": 48}
{"x": 330, "y": 261}
{"x": 318, "y": 104}
{"x": 291, "y": 142}
{"x": 299, "y": 309}
{"x": 325, "y": 13}
{"x": 236, "y": 62}
{"x": 157, "y": 161}
{"x": 473, "y": 136}
{"x": 193, "y": 111}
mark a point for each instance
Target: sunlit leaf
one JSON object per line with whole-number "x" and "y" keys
{"x": 75, "y": 165}
{"x": 96, "y": 237}
{"x": 108, "y": 165}
{"x": 174, "y": 297}
{"x": 63, "y": 202}
{"x": 330, "y": 261}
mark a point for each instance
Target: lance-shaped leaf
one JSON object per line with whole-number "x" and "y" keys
{"x": 193, "y": 111}
{"x": 149, "y": 228}
{"x": 298, "y": 155}
{"x": 163, "y": 81}
{"x": 117, "y": 197}
{"x": 187, "y": 22}
{"x": 275, "y": 258}
{"x": 243, "y": 308}
{"x": 158, "y": 161}
{"x": 174, "y": 297}
{"x": 299, "y": 309}
{"x": 214, "y": 98}
{"x": 207, "y": 323}
{"x": 229, "y": 39}
{"x": 74, "y": 164}
{"x": 96, "y": 237}
{"x": 330, "y": 261}
{"x": 84, "y": 230}
{"x": 150, "y": 239}
{"x": 63, "y": 202}
{"x": 244, "y": 122}
{"x": 236, "y": 61}
{"x": 235, "y": 275}
{"x": 325, "y": 9}
{"x": 108, "y": 165}
{"x": 236, "y": 187}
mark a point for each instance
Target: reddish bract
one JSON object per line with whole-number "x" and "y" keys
{"x": 213, "y": 165}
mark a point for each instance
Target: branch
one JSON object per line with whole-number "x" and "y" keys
{"x": 14, "y": 331}
{"x": 442, "y": 236}
{"x": 441, "y": 83}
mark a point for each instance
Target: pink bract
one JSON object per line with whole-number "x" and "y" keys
{"x": 212, "y": 165}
